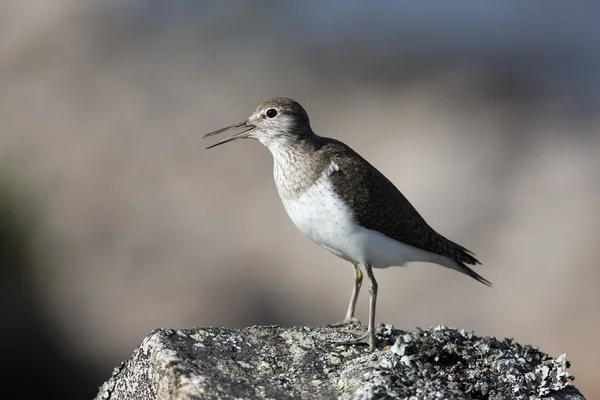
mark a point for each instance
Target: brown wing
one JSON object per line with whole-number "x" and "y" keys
{"x": 379, "y": 205}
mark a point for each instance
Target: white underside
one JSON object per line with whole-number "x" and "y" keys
{"x": 328, "y": 222}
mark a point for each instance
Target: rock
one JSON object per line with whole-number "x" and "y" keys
{"x": 272, "y": 362}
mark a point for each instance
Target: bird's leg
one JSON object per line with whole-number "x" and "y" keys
{"x": 369, "y": 336}
{"x": 373, "y": 286}
{"x": 358, "y": 277}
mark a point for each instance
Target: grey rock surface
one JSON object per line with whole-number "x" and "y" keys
{"x": 272, "y": 362}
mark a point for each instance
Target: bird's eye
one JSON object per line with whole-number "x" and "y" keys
{"x": 271, "y": 113}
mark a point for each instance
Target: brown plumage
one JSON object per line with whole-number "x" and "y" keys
{"x": 378, "y": 205}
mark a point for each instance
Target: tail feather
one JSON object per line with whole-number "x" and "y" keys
{"x": 460, "y": 257}
{"x": 468, "y": 253}
{"x": 462, "y": 254}
{"x": 461, "y": 267}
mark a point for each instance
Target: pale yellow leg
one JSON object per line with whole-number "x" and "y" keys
{"x": 369, "y": 336}
{"x": 349, "y": 319}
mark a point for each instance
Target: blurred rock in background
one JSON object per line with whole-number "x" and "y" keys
{"x": 486, "y": 117}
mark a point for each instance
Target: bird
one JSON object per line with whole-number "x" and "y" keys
{"x": 344, "y": 204}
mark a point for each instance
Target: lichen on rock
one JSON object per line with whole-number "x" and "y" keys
{"x": 272, "y": 362}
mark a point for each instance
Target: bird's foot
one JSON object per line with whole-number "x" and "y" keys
{"x": 345, "y": 322}
{"x": 367, "y": 337}
{"x": 358, "y": 332}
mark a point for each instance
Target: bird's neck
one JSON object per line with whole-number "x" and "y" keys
{"x": 296, "y": 165}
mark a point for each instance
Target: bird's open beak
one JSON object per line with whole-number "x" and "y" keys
{"x": 246, "y": 125}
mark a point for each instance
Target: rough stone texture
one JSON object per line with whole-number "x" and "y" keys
{"x": 272, "y": 362}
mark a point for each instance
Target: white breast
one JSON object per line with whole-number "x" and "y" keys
{"x": 324, "y": 219}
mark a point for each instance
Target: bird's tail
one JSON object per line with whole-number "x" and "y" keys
{"x": 461, "y": 267}
{"x": 460, "y": 257}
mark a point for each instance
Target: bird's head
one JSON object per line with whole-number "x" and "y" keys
{"x": 275, "y": 122}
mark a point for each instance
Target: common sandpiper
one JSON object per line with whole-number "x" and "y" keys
{"x": 344, "y": 204}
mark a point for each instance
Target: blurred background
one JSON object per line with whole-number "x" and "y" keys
{"x": 115, "y": 221}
